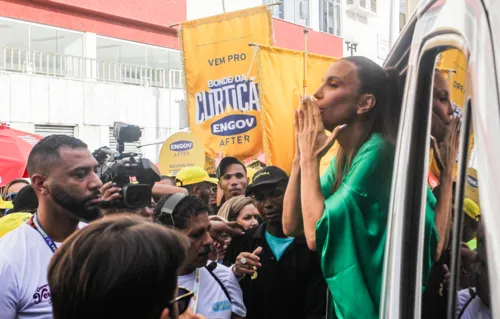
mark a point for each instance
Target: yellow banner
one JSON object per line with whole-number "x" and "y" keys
{"x": 221, "y": 80}
{"x": 281, "y": 78}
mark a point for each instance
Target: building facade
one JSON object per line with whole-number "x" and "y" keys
{"x": 76, "y": 66}
{"x": 362, "y": 23}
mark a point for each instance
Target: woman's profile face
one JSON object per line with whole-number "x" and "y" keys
{"x": 337, "y": 97}
{"x": 248, "y": 216}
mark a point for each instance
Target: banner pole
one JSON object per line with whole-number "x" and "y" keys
{"x": 306, "y": 32}
{"x": 223, "y": 7}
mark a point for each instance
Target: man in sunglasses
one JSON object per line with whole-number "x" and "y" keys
{"x": 197, "y": 181}
{"x": 217, "y": 293}
{"x": 280, "y": 277}
{"x": 121, "y": 266}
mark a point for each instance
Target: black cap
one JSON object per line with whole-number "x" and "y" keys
{"x": 267, "y": 176}
{"x": 225, "y": 162}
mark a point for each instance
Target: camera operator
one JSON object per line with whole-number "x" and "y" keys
{"x": 131, "y": 183}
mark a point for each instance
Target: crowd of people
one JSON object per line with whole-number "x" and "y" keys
{"x": 229, "y": 246}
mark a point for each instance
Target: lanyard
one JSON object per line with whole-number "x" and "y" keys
{"x": 33, "y": 222}
{"x": 194, "y": 301}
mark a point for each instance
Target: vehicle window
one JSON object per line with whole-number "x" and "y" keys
{"x": 445, "y": 217}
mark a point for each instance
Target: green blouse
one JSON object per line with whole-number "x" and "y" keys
{"x": 351, "y": 234}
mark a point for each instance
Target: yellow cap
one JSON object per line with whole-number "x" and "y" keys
{"x": 193, "y": 175}
{"x": 5, "y": 204}
{"x": 12, "y": 221}
{"x": 471, "y": 208}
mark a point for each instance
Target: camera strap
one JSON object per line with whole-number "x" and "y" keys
{"x": 210, "y": 270}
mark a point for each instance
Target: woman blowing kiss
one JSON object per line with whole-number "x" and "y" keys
{"x": 343, "y": 214}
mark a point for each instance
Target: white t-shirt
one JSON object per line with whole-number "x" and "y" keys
{"x": 24, "y": 261}
{"x": 475, "y": 310}
{"x": 212, "y": 302}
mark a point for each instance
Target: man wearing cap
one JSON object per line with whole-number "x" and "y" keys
{"x": 471, "y": 223}
{"x": 280, "y": 277}
{"x": 197, "y": 181}
{"x": 233, "y": 180}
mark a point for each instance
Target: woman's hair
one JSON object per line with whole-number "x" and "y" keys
{"x": 384, "y": 116}
{"x": 25, "y": 200}
{"x": 6, "y": 188}
{"x": 231, "y": 209}
{"x": 118, "y": 267}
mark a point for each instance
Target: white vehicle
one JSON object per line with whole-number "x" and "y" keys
{"x": 472, "y": 27}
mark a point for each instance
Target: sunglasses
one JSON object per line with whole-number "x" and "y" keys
{"x": 10, "y": 196}
{"x": 183, "y": 298}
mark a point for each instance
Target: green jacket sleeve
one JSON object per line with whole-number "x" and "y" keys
{"x": 350, "y": 236}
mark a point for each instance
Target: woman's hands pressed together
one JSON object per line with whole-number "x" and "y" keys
{"x": 313, "y": 143}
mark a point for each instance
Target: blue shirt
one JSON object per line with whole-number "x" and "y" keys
{"x": 278, "y": 245}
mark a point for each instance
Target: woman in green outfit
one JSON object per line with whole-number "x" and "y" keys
{"x": 343, "y": 214}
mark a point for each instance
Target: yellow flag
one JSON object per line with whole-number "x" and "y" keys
{"x": 221, "y": 80}
{"x": 281, "y": 78}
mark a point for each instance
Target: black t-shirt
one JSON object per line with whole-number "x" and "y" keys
{"x": 292, "y": 287}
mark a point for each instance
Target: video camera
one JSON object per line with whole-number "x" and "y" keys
{"x": 129, "y": 171}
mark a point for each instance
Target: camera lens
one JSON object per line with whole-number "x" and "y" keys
{"x": 137, "y": 195}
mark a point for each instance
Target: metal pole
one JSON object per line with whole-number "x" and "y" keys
{"x": 304, "y": 83}
{"x": 223, "y": 6}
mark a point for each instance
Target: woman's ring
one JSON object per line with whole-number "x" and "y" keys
{"x": 243, "y": 260}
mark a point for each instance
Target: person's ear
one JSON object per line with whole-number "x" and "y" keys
{"x": 196, "y": 190}
{"x": 39, "y": 184}
{"x": 165, "y": 314}
{"x": 366, "y": 103}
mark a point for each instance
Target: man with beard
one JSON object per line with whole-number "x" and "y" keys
{"x": 279, "y": 275}
{"x": 217, "y": 293}
{"x": 61, "y": 169}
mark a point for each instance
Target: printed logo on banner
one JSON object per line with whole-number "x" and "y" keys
{"x": 234, "y": 124}
{"x": 224, "y": 98}
{"x": 181, "y": 146}
{"x": 472, "y": 181}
